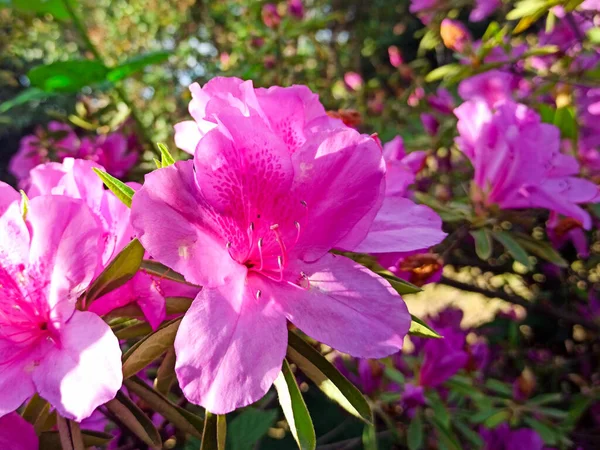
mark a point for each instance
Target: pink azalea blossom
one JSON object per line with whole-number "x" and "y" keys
{"x": 70, "y": 358}
{"x": 504, "y": 438}
{"x": 442, "y": 101}
{"x": 252, "y": 219}
{"x": 493, "y": 86}
{"x": 483, "y": 9}
{"x": 425, "y": 9}
{"x": 17, "y": 434}
{"x": 443, "y": 358}
{"x": 430, "y": 124}
{"x": 518, "y": 163}
{"x": 402, "y": 167}
{"x": 395, "y": 56}
{"x": 562, "y": 231}
{"x": 75, "y": 178}
{"x": 241, "y": 95}
{"x": 353, "y": 80}
{"x": 110, "y": 151}
{"x": 296, "y": 8}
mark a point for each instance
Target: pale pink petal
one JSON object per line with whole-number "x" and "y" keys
{"x": 65, "y": 248}
{"x": 7, "y": 196}
{"x": 44, "y": 178}
{"x": 230, "y": 345}
{"x": 83, "y": 371}
{"x": 172, "y": 221}
{"x": 187, "y": 136}
{"x": 340, "y": 176}
{"x": 16, "y": 385}
{"x": 402, "y": 226}
{"x": 17, "y": 434}
{"x": 14, "y": 237}
{"x": 345, "y": 306}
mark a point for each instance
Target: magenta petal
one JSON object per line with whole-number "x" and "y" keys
{"x": 83, "y": 371}
{"x": 7, "y": 196}
{"x": 65, "y": 247}
{"x": 14, "y": 238}
{"x": 17, "y": 434}
{"x": 345, "y": 306}
{"x": 170, "y": 218}
{"x": 230, "y": 346}
{"x": 16, "y": 385}
{"x": 402, "y": 226}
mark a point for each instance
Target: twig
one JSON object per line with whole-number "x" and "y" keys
{"x": 529, "y": 305}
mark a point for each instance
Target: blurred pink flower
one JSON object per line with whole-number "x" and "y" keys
{"x": 424, "y": 9}
{"x": 296, "y": 8}
{"x": 562, "y": 231}
{"x": 503, "y": 438}
{"x": 455, "y": 36}
{"x": 270, "y": 16}
{"x": 493, "y": 86}
{"x": 442, "y": 101}
{"x": 395, "y": 56}
{"x": 430, "y": 124}
{"x": 443, "y": 358}
{"x": 111, "y": 151}
{"x": 70, "y": 358}
{"x": 17, "y": 434}
{"x": 518, "y": 163}
{"x": 483, "y": 9}
{"x": 252, "y": 219}
{"x": 353, "y": 80}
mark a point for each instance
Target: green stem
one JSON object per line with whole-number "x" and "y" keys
{"x": 82, "y": 30}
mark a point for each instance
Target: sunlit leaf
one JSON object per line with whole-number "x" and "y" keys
{"x": 136, "y": 64}
{"x": 214, "y": 434}
{"x": 326, "y": 377}
{"x": 67, "y": 76}
{"x": 25, "y": 96}
{"x": 162, "y": 271}
{"x": 421, "y": 329}
{"x": 513, "y": 247}
{"x": 166, "y": 159}
{"x": 294, "y": 409}
{"x": 134, "y": 418}
{"x": 483, "y": 243}
{"x": 369, "y": 437}
{"x": 149, "y": 349}
{"x": 54, "y": 7}
{"x": 120, "y": 189}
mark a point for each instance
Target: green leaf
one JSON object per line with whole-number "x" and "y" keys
{"x": 544, "y": 399}
{"x": 178, "y": 305}
{"x": 294, "y": 409}
{"x": 67, "y": 76}
{"x": 24, "y": 204}
{"x": 133, "y": 331}
{"x": 445, "y": 435}
{"x": 483, "y": 415}
{"x": 164, "y": 407}
{"x": 134, "y": 418}
{"x": 551, "y": 435}
{"x": 414, "y": 433}
{"x": 165, "y": 375}
{"x": 541, "y": 249}
{"x": 249, "y": 427}
{"x": 70, "y": 434}
{"x": 402, "y": 287}
{"x": 120, "y": 189}
{"x": 136, "y": 64}
{"x": 369, "y": 437}
{"x": 499, "y": 387}
{"x": 468, "y": 433}
{"x": 449, "y": 70}
{"x": 593, "y": 34}
{"x": 552, "y": 412}
{"x": 120, "y": 270}
{"x": 25, "y": 96}
{"x": 327, "y": 378}
{"x": 577, "y": 408}
{"x": 439, "y": 408}
{"x": 150, "y": 348}
{"x": 513, "y": 247}
{"x": 394, "y": 375}
{"x": 166, "y": 159}
{"x": 50, "y": 440}
{"x": 483, "y": 243}
{"x": 41, "y": 7}
{"x": 565, "y": 119}
{"x": 497, "y": 418}
{"x": 162, "y": 271}
{"x": 421, "y": 329}
{"x": 528, "y": 8}
{"x": 215, "y": 430}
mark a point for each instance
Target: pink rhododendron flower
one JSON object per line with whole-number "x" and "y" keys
{"x": 69, "y": 357}
{"x": 296, "y": 8}
{"x": 241, "y": 95}
{"x": 75, "y": 178}
{"x": 57, "y": 142}
{"x": 252, "y": 219}
{"x": 443, "y": 358}
{"x": 353, "y": 80}
{"x": 430, "y": 124}
{"x": 518, "y": 163}
{"x": 424, "y": 9}
{"x": 402, "y": 167}
{"x": 483, "y": 9}
{"x": 17, "y": 434}
{"x": 503, "y": 438}
{"x": 493, "y": 86}
{"x": 561, "y": 231}
{"x": 442, "y": 101}
{"x": 110, "y": 151}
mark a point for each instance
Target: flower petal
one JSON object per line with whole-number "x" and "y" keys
{"x": 230, "y": 346}
{"x": 402, "y": 226}
{"x": 172, "y": 221}
{"x": 16, "y": 385}
{"x": 83, "y": 371}
{"x": 17, "y": 434}
{"x": 14, "y": 238}
{"x": 346, "y": 306}
{"x": 66, "y": 247}
{"x": 7, "y": 196}
{"x": 187, "y": 136}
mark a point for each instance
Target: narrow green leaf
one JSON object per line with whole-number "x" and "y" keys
{"x": 565, "y": 119}
{"x": 444, "y": 72}
{"x": 136, "y": 64}
{"x": 497, "y": 418}
{"x": 249, "y": 427}
{"x": 163, "y": 406}
{"x": 421, "y": 329}
{"x": 162, "y": 271}
{"x": 41, "y": 7}
{"x": 133, "y": 331}
{"x": 499, "y": 387}
{"x": 401, "y": 286}
{"x": 483, "y": 415}
{"x": 294, "y": 409}
{"x": 414, "y": 433}
{"x": 439, "y": 408}
{"x": 327, "y": 378}
{"x": 50, "y": 440}
{"x": 134, "y": 418}
{"x": 369, "y": 437}
{"x": 24, "y": 204}
{"x": 544, "y": 399}
{"x": 513, "y": 247}
{"x": 541, "y": 249}
{"x": 394, "y": 375}
{"x": 215, "y": 429}
{"x": 165, "y": 375}
{"x": 25, "y": 96}
{"x": 178, "y": 305}
{"x": 70, "y": 434}
{"x": 34, "y": 408}
{"x": 120, "y": 270}
{"x": 469, "y": 434}
{"x": 120, "y": 189}
{"x": 483, "y": 243}
{"x": 150, "y": 348}
{"x": 553, "y": 413}
{"x": 166, "y": 159}
{"x": 550, "y": 435}
{"x": 67, "y": 76}
{"x": 445, "y": 435}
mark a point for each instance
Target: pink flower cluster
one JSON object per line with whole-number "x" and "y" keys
{"x": 115, "y": 152}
